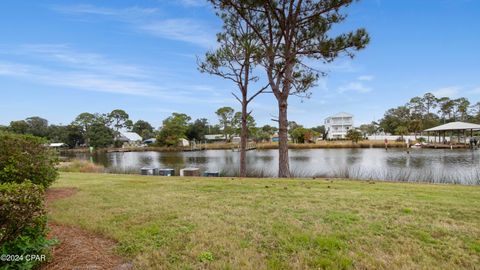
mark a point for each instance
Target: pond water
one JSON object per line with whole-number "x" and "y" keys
{"x": 459, "y": 166}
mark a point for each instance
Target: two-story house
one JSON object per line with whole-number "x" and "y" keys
{"x": 337, "y": 125}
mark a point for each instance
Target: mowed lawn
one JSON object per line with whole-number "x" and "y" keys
{"x": 225, "y": 223}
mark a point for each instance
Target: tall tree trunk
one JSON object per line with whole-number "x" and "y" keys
{"x": 243, "y": 139}
{"x": 282, "y": 98}
{"x": 225, "y": 135}
{"x": 283, "y": 160}
{"x": 87, "y": 137}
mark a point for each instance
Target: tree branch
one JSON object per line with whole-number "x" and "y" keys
{"x": 237, "y": 98}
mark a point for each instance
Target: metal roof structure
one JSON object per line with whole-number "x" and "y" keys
{"x": 454, "y": 126}
{"x": 129, "y": 136}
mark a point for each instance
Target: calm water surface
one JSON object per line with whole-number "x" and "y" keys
{"x": 422, "y": 165}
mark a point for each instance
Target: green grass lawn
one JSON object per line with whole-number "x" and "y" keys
{"x": 220, "y": 223}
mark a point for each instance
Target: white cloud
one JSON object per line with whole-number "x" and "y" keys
{"x": 451, "y": 91}
{"x": 66, "y": 68}
{"x": 193, "y": 3}
{"x": 85, "y": 9}
{"x": 63, "y": 54}
{"x": 365, "y": 78}
{"x": 475, "y": 90}
{"x": 8, "y": 69}
{"x": 123, "y": 13}
{"x": 79, "y": 80}
{"x": 148, "y": 20}
{"x": 354, "y": 87}
{"x": 183, "y": 30}
{"x": 98, "y": 82}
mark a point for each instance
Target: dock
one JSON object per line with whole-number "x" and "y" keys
{"x": 250, "y": 146}
{"x": 446, "y": 146}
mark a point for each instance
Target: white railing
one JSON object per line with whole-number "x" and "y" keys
{"x": 341, "y": 123}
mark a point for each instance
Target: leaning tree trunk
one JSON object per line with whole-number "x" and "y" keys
{"x": 243, "y": 140}
{"x": 283, "y": 161}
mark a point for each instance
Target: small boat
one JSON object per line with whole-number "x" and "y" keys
{"x": 417, "y": 145}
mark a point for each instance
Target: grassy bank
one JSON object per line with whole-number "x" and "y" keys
{"x": 191, "y": 223}
{"x": 334, "y": 144}
{"x": 209, "y": 146}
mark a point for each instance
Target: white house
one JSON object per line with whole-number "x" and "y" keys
{"x": 337, "y": 125}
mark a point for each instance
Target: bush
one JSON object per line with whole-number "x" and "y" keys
{"x": 21, "y": 205}
{"x": 24, "y": 157}
{"x": 354, "y": 135}
{"x": 22, "y": 224}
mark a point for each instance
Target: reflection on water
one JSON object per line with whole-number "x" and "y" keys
{"x": 431, "y": 165}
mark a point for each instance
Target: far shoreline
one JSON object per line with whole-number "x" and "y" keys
{"x": 267, "y": 146}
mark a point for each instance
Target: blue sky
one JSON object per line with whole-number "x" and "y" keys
{"x": 61, "y": 58}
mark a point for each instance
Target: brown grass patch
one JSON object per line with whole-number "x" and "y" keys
{"x": 79, "y": 249}
{"x": 59, "y": 193}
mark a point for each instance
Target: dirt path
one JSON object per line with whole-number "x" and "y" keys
{"x": 79, "y": 249}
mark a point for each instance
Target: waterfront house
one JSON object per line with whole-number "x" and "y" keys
{"x": 338, "y": 125}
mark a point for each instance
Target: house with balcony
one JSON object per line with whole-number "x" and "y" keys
{"x": 338, "y": 125}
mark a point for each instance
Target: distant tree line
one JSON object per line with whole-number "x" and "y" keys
{"x": 423, "y": 112}
{"x": 100, "y": 130}
{"x": 179, "y": 125}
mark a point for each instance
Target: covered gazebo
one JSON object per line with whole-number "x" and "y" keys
{"x": 453, "y": 127}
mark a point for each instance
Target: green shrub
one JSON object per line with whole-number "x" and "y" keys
{"x": 21, "y": 205}
{"x": 24, "y": 157}
{"x": 23, "y": 228}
